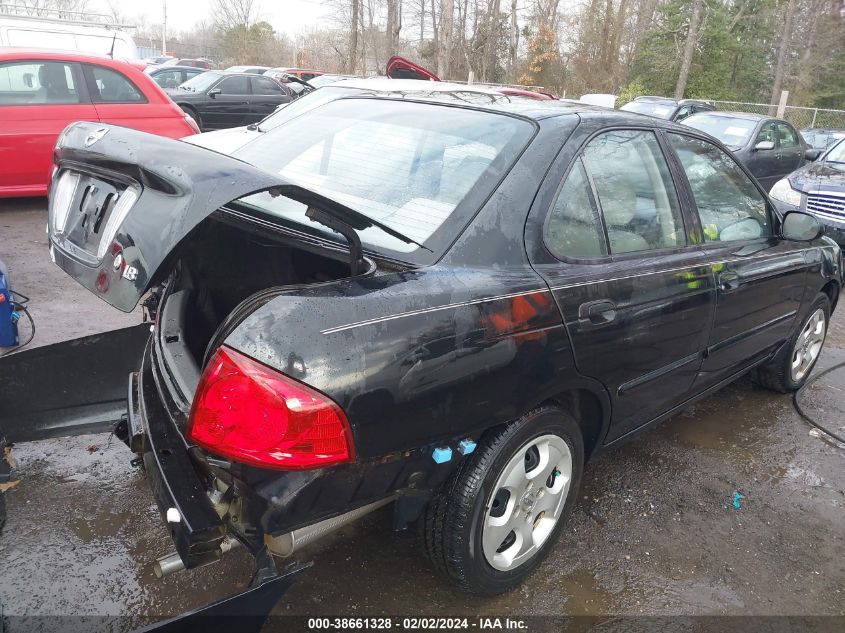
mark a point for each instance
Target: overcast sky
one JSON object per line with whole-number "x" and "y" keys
{"x": 286, "y": 16}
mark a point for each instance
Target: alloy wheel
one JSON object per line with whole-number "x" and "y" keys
{"x": 808, "y": 346}
{"x": 527, "y": 502}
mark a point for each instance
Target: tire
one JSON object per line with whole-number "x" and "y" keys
{"x": 457, "y": 520}
{"x": 194, "y": 115}
{"x": 778, "y": 374}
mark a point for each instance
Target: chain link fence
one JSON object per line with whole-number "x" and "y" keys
{"x": 800, "y": 117}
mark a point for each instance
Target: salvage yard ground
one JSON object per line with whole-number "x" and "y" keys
{"x": 655, "y": 532}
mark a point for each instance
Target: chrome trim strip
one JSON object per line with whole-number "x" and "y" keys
{"x": 736, "y": 338}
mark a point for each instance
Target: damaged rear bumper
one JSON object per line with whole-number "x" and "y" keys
{"x": 179, "y": 491}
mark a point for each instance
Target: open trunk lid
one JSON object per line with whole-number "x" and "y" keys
{"x": 401, "y": 68}
{"x": 122, "y": 200}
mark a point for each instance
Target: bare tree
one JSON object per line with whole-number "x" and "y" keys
{"x": 229, "y": 14}
{"x": 352, "y": 59}
{"x": 689, "y": 48}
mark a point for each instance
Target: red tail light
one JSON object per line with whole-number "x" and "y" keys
{"x": 250, "y": 413}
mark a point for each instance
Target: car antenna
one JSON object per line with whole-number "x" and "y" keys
{"x": 111, "y": 52}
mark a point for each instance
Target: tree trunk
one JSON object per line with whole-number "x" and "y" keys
{"x": 783, "y": 51}
{"x": 353, "y": 39}
{"x": 514, "y": 43}
{"x": 394, "y": 26}
{"x": 689, "y": 49}
{"x": 434, "y": 31}
{"x": 488, "y": 69}
{"x": 444, "y": 50}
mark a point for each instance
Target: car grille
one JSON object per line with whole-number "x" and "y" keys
{"x": 830, "y": 206}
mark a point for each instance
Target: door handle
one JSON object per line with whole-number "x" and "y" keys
{"x": 729, "y": 282}
{"x": 597, "y": 312}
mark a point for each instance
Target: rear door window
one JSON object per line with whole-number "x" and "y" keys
{"x": 265, "y": 86}
{"x": 109, "y": 86}
{"x": 635, "y": 192}
{"x": 574, "y": 228}
{"x": 729, "y": 205}
{"x": 37, "y": 83}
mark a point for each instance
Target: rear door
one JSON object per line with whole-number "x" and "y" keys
{"x": 790, "y": 150}
{"x": 759, "y": 277}
{"x": 230, "y": 107}
{"x": 635, "y": 295}
{"x": 37, "y": 100}
{"x": 267, "y": 95}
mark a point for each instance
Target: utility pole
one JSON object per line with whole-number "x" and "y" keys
{"x": 164, "y": 28}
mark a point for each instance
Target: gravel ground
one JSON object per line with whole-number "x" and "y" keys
{"x": 654, "y": 533}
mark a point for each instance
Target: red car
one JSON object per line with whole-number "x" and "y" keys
{"x": 41, "y": 92}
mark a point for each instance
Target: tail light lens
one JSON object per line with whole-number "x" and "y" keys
{"x": 253, "y": 414}
{"x": 192, "y": 124}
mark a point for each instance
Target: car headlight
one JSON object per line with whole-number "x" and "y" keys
{"x": 784, "y": 192}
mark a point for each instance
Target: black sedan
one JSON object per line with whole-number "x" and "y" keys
{"x": 440, "y": 298}
{"x": 667, "y": 108}
{"x": 818, "y": 188}
{"x": 769, "y": 147}
{"x": 217, "y": 99}
{"x": 173, "y": 76}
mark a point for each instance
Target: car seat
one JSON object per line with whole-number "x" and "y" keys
{"x": 619, "y": 204}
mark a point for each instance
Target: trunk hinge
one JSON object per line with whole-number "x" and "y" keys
{"x": 356, "y": 252}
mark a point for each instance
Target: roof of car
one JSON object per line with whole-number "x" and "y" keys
{"x": 175, "y": 67}
{"x": 748, "y": 116}
{"x": 481, "y": 97}
{"x": 13, "y": 52}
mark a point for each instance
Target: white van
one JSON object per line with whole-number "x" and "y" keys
{"x": 94, "y": 33}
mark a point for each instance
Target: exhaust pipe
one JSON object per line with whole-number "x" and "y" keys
{"x": 286, "y": 545}
{"x": 171, "y": 563}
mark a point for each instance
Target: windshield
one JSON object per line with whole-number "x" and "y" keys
{"x": 659, "y": 109}
{"x": 323, "y": 80}
{"x": 201, "y": 82}
{"x": 732, "y": 131}
{"x": 421, "y": 169}
{"x": 836, "y": 153}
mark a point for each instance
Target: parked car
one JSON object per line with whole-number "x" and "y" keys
{"x": 666, "y": 108}
{"x": 155, "y": 61}
{"x": 817, "y": 188}
{"x": 173, "y": 76}
{"x": 221, "y": 99}
{"x": 61, "y": 29}
{"x": 819, "y": 138}
{"x": 43, "y": 91}
{"x": 440, "y": 302}
{"x": 281, "y": 73}
{"x": 769, "y": 147}
{"x": 199, "y": 62}
{"x": 324, "y": 80}
{"x": 250, "y": 70}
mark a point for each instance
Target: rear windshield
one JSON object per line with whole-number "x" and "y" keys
{"x": 421, "y": 169}
{"x": 659, "y": 109}
{"x": 732, "y": 131}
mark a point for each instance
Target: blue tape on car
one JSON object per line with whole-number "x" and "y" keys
{"x": 466, "y": 446}
{"x": 441, "y": 455}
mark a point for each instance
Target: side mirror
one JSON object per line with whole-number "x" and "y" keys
{"x": 801, "y": 227}
{"x": 764, "y": 145}
{"x": 812, "y": 154}
{"x": 214, "y": 92}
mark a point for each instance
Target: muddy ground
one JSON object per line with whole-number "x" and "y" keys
{"x": 655, "y": 531}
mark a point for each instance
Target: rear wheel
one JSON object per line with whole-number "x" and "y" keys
{"x": 507, "y": 503}
{"x": 790, "y": 368}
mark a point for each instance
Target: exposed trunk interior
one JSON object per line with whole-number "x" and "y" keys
{"x": 222, "y": 273}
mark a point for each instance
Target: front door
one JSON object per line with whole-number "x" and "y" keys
{"x": 38, "y": 99}
{"x": 229, "y": 107}
{"x": 636, "y": 297}
{"x": 759, "y": 277}
{"x": 764, "y": 164}
{"x": 790, "y": 150}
